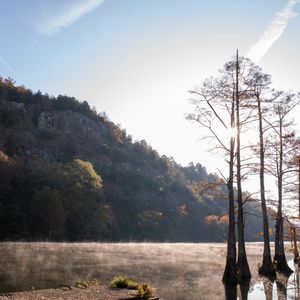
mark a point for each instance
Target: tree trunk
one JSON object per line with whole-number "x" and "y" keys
{"x": 230, "y": 292}
{"x": 244, "y": 290}
{"x": 230, "y": 272}
{"x": 294, "y": 244}
{"x": 279, "y": 258}
{"x": 267, "y": 268}
{"x": 242, "y": 263}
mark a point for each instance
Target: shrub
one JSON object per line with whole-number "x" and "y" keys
{"x": 124, "y": 282}
{"x": 145, "y": 291}
{"x": 91, "y": 282}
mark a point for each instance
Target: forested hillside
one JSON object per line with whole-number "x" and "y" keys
{"x": 69, "y": 173}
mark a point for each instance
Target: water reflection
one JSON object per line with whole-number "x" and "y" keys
{"x": 261, "y": 288}
{"x": 293, "y": 285}
{"x": 268, "y": 288}
{"x": 281, "y": 284}
{"x": 296, "y": 284}
{"x": 244, "y": 289}
{"x": 237, "y": 292}
{"x": 282, "y": 289}
{"x": 230, "y": 292}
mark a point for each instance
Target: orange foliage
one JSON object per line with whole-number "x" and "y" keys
{"x": 221, "y": 220}
{"x": 260, "y": 234}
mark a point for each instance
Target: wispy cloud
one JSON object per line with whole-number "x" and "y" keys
{"x": 52, "y": 21}
{"x": 273, "y": 31}
{"x": 6, "y": 64}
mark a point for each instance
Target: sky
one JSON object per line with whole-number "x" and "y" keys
{"x": 137, "y": 59}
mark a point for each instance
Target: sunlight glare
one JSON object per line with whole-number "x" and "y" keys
{"x": 228, "y": 133}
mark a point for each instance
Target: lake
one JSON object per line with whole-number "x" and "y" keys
{"x": 177, "y": 270}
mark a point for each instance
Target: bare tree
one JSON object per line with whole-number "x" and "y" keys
{"x": 294, "y": 193}
{"x": 217, "y": 110}
{"x": 279, "y": 154}
{"x": 242, "y": 262}
{"x": 214, "y": 108}
{"x": 260, "y": 88}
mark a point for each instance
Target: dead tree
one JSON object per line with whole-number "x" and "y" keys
{"x": 260, "y": 87}
{"x": 213, "y": 97}
{"x": 242, "y": 262}
{"x": 217, "y": 105}
{"x": 294, "y": 188}
{"x": 279, "y": 151}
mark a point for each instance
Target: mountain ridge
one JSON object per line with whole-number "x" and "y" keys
{"x": 72, "y": 174}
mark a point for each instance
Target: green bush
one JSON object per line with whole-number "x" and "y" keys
{"x": 124, "y": 282}
{"x": 145, "y": 291}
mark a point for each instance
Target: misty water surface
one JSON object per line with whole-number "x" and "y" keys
{"x": 178, "y": 271}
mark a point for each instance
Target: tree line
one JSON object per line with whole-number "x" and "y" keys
{"x": 123, "y": 189}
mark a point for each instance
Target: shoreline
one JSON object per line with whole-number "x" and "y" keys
{"x": 96, "y": 292}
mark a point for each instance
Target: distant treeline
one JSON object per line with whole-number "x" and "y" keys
{"x": 69, "y": 173}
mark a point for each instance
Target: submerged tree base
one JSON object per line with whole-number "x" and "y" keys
{"x": 243, "y": 269}
{"x": 267, "y": 269}
{"x": 281, "y": 265}
{"x": 230, "y": 292}
{"x": 244, "y": 288}
{"x": 230, "y": 273}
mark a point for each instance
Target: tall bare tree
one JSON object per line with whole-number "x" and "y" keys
{"x": 214, "y": 108}
{"x": 217, "y": 110}
{"x": 260, "y": 89}
{"x": 279, "y": 154}
{"x": 242, "y": 262}
{"x": 294, "y": 189}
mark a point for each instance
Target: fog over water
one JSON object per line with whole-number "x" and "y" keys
{"x": 178, "y": 271}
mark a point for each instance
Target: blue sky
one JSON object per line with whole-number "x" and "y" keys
{"x": 136, "y": 59}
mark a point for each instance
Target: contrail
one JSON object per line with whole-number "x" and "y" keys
{"x": 273, "y": 32}
{"x": 6, "y": 64}
{"x": 50, "y": 23}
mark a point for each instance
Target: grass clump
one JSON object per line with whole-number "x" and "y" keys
{"x": 87, "y": 283}
{"x": 124, "y": 282}
{"x": 145, "y": 291}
